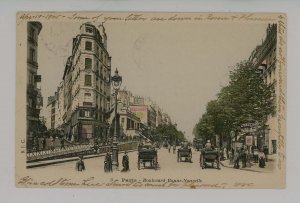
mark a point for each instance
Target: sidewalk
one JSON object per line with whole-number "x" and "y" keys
{"x": 57, "y": 161}
{"x": 254, "y": 166}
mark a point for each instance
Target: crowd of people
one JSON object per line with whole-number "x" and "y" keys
{"x": 244, "y": 154}
{"x": 108, "y": 165}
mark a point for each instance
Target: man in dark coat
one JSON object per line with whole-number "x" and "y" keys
{"x": 80, "y": 164}
{"x": 108, "y": 162}
{"x": 62, "y": 143}
{"x": 125, "y": 162}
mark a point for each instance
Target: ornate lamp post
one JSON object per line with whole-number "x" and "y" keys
{"x": 116, "y": 83}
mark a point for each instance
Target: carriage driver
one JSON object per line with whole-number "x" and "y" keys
{"x": 208, "y": 145}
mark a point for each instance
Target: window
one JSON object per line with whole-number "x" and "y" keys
{"x": 31, "y": 54}
{"x": 87, "y": 94}
{"x": 88, "y": 46}
{"x": 97, "y": 50}
{"x": 88, "y": 63}
{"x": 87, "y": 104}
{"x": 128, "y": 124}
{"x": 89, "y": 29}
{"x": 88, "y": 80}
{"x": 86, "y": 114}
{"x": 81, "y": 113}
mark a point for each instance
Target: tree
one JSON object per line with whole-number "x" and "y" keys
{"x": 246, "y": 98}
{"x": 169, "y": 132}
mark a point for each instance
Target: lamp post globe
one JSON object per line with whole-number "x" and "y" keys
{"x": 116, "y": 81}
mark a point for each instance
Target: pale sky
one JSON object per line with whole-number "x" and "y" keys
{"x": 181, "y": 66}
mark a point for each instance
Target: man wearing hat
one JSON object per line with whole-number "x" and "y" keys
{"x": 125, "y": 162}
{"x": 208, "y": 145}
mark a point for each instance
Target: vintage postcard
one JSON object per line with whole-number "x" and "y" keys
{"x": 151, "y": 100}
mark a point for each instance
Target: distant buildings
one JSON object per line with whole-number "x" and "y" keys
{"x": 144, "y": 108}
{"x": 264, "y": 59}
{"x": 34, "y": 97}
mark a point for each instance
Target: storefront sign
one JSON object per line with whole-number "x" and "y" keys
{"x": 249, "y": 140}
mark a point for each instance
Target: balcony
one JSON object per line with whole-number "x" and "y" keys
{"x": 33, "y": 63}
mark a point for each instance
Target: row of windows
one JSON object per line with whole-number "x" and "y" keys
{"x": 88, "y": 100}
{"x": 88, "y": 63}
{"x": 91, "y": 114}
{"x": 88, "y": 83}
{"x": 101, "y": 54}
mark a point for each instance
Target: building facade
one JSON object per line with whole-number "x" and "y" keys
{"x": 83, "y": 97}
{"x": 129, "y": 123}
{"x": 34, "y": 97}
{"x": 264, "y": 59}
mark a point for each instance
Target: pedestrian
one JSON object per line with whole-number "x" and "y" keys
{"x": 169, "y": 148}
{"x": 244, "y": 157}
{"x": 80, "y": 164}
{"x": 62, "y": 143}
{"x": 125, "y": 162}
{"x": 44, "y": 143}
{"x": 261, "y": 159}
{"x": 249, "y": 157}
{"x": 108, "y": 162}
{"x": 174, "y": 149}
{"x": 255, "y": 154}
{"x": 237, "y": 159}
{"x": 230, "y": 155}
{"x": 225, "y": 153}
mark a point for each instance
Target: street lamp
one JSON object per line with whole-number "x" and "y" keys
{"x": 116, "y": 83}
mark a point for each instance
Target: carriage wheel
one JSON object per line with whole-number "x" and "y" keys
{"x": 203, "y": 165}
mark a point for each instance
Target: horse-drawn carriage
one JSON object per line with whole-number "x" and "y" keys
{"x": 147, "y": 154}
{"x": 185, "y": 153}
{"x": 210, "y": 157}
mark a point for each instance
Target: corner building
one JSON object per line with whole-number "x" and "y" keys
{"x": 86, "y": 82}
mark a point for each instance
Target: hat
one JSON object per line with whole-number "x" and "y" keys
{"x": 208, "y": 141}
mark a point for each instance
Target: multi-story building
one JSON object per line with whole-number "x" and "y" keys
{"x": 129, "y": 123}
{"x": 34, "y": 98}
{"x": 83, "y": 98}
{"x": 51, "y": 109}
{"x": 55, "y": 109}
{"x": 264, "y": 59}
